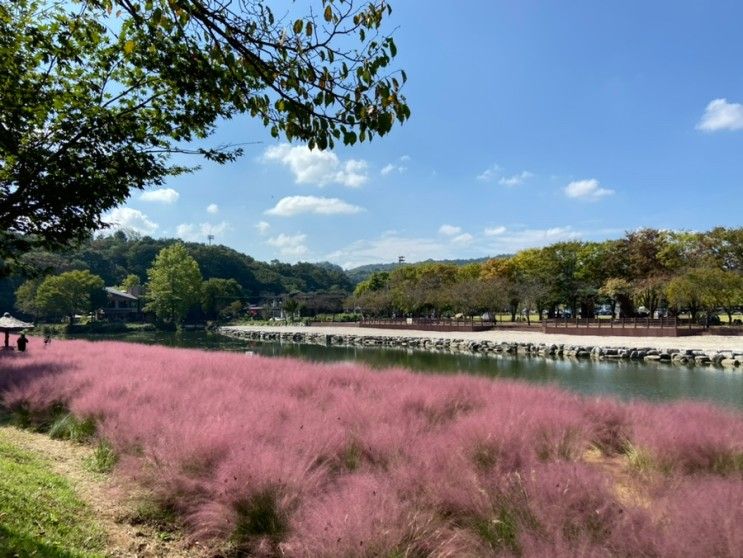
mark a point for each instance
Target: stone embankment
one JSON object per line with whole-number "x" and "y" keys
{"x": 698, "y": 357}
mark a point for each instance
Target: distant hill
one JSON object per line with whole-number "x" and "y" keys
{"x": 363, "y": 272}
{"x": 115, "y": 256}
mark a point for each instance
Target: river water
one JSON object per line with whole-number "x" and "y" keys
{"x": 627, "y": 380}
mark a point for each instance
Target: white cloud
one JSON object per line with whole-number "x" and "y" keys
{"x": 489, "y": 174}
{"x": 465, "y": 238}
{"x": 290, "y": 245}
{"x": 295, "y": 205}
{"x": 199, "y": 232}
{"x": 498, "y": 240}
{"x": 510, "y": 242}
{"x": 388, "y": 247}
{"x": 163, "y": 195}
{"x": 130, "y": 219}
{"x": 721, "y": 115}
{"x": 312, "y": 166}
{"x": 449, "y": 230}
{"x": 587, "y": 189}
{"x": 516, "y": 179}
{"x": 212, "y": 208}
{"x": 262, "y": 227}
{"x": 494, "y": 231}
{"x": 392, "y": 167}
{"x": 387, "y": 169}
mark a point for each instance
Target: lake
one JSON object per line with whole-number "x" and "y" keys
{"x": 627, "y": 380}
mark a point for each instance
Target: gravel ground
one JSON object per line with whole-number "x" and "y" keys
{"x": 704, "y": 343}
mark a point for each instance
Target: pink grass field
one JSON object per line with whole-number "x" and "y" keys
{"x": 279, "y": 457}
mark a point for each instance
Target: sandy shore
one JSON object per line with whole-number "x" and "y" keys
{"x": 703, "y": 343}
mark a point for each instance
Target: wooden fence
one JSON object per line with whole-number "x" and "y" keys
{"x": 631, "y": 327}
{"x": 428, "y": 324}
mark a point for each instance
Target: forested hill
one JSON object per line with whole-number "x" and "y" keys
{"x": 116, "y": 256}
{"x": 363, "y": 272}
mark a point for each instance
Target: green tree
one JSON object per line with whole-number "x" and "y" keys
{"x": 503, "y": 274}
{"x": 70, "y": 293}
{"x": 218, "y": 294}
{"x": 715, "y": 289}
{"x": 97, "y": 95}
{"x": 291, "y": 305}
{"x": 619, "y": 292}
{"x": 685, "y": 292}
{"x": 174, "y": 284}
{"x": 725, "y": 290}
{"x": 130, "y": 283}
{"x": 648, "y": 292}
{"x": 25, "y": 297}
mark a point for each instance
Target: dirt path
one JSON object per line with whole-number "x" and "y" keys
{"x": 98, "y": 491}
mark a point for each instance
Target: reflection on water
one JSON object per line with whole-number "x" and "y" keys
{"x": 625, "y": 379}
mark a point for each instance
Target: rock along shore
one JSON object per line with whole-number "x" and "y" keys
{"x": 709, "y": 352}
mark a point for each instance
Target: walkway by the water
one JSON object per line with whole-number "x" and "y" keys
{"x": 715, "y": 343}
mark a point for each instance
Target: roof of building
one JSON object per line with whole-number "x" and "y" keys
{"x": 116, "y": 292}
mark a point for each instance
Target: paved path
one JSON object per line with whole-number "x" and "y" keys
{"x": 700, "y": 342}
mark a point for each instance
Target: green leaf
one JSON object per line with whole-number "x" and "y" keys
{"x": 298, "y": 26}
{"x": 328, "y": 13}
{"x": 308, "y": 29}
{"x": 128, "y": 47}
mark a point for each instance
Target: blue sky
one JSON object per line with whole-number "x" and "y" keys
{"x": 532, "y": 122}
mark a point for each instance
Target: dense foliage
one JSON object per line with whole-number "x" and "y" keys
{"x": 114, "y": 258}
{"x": 288, "y": 458}
{"x": 645, "y": 270}
{"x": 98, "y": 94}
{"x": 173, "y": 284}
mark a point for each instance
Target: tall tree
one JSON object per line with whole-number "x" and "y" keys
{"x": 25, "y": 297}
{"x": 686, "y": 292}
{"x": 70, "y": 293}
{"x": 502, "y": 274}
{"x": 97, "y": 95}
{"x": 174, "y": 284}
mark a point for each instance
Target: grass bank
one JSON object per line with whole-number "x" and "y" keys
{"x": 276, "y": 457}
{"x": 40, "y": 512}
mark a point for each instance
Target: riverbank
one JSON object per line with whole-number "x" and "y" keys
{"x": 708, "y": 350}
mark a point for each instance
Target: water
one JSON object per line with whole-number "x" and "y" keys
{"x": 628, "y": 380}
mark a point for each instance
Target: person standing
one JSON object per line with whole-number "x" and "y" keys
{"x": 22, "y": 342}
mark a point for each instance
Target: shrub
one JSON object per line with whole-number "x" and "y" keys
{"x": 68, "y": 427}
{"x": 104, "y": 458}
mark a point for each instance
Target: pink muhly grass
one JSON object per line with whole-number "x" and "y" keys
{"x": 286, "y": 457}
{"x": 611, "y": 425}
{"x": 574, "y": 512}
{"x": 690, "y": 437}
{"x": 701, "y": 517}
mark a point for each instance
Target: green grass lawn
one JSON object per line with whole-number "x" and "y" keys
{"x": 40, "y": 515}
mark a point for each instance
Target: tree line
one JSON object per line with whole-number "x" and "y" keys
{"x": 123, "y": 259}
{"x": 644, "y": 271}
